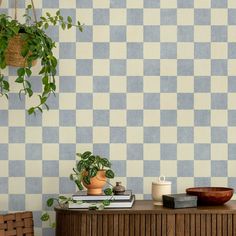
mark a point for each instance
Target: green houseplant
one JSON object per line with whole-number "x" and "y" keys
{"x": 35, "y": 44}
{"x": 91, "y": 172}
{"x": 86, "y": 170}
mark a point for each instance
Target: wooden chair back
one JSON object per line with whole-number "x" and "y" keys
{"x": 17, "y": 224}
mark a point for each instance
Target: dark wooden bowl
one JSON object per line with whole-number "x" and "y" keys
{"x": 211, "y": 195}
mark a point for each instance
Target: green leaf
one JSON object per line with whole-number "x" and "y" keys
{"x": 45, "y": 80}
{"x": 53, "y": 86}
{"x": 58, "y": 13}
{"x": 80, "y": 166}
{"x": 85, "y": 155}
{"x": 5, "y": 85}
{"x": 19, "y": 80}
{"x": 62, "y": 198}
{"x": 79, "y": 185}
{"x": 93, "y": 207}
{"x": 108, "y": 191}
{"x": 50, "y": 202}
{"x": 15, "y": 29}
{"x": 3, "y": 64}
{"x": 80, "y": 28}
{"x": 86, "y": 180}
{"x": 29, "y": 91}
{"x": 54, "y": 61}
{"x": 48, "y": 14}
{"x": 43, "y": 100}
{"x": 53, "y": 71}
{"x": 24, "y": 51}
{"x": 109, "y": 174}
{"x": 46, "y": 25}
{"x": 106, "y": 202}
{"x": 42, "y": 70}
{"x": 51, "y": 19}
{"x": 92, "y": 172}
{"x": 28, "y": 83}
{"x": 69, "y": 19}
{"x": 28, "y": 72}
{"x": 63, "y": 25}
{"x": 97, "y": 159}
{"x": 45, "y": 217}
{"x": 31, "y": 111}
{"x": 69, "y": 26}
{"x": 21, "y": 72}
{"x": 105, "y": 162}
{"x": 91, "y": 160}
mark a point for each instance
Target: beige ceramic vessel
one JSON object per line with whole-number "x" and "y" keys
{"x": 159, "y": 188}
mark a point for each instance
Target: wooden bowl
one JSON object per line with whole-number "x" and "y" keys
{"x": 211, "y": 195}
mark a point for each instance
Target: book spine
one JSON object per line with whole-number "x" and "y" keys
{"x": 101, "y": 199}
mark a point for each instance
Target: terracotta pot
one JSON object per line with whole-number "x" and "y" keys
{"x": 96, "y": 183}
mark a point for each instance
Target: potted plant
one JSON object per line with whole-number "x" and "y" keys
{"x": 92, "y": 172}
{"x": 26, "y": 43}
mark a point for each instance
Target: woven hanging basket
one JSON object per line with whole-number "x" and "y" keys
{"x": 13, "y": 53}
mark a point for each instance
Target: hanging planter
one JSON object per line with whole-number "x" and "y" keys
{"x": 22, "y": 44}
{"x": 13, "y": 55}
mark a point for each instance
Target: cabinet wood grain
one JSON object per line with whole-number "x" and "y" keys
{"x": 145, "y": 219}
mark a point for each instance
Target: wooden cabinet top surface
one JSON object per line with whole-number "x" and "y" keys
{"x": 147, "y": 207}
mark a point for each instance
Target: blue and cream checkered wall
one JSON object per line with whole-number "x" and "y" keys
{"x": 149, "y": 83}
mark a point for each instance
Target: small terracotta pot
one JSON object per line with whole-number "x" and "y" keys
{"x": 96, "y": 183}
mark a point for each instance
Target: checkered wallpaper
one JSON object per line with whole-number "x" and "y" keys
{"x": 149, "y": 83}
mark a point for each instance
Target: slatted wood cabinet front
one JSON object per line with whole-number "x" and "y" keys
{"x": 144, "y": 219}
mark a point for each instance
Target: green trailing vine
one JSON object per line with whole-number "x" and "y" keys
{"x": 37, "y": 45}
{"x": 63, "y": 202}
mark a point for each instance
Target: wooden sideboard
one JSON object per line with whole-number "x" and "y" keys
{"x": 145, "y": 219}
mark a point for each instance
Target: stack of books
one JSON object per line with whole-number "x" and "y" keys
{"x": 84, "y": 201}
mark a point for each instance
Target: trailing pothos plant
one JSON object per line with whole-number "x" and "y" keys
{"x": 37, "y": 45}
{"x": 91, "y": 165}
{"x": 63, "y": 202}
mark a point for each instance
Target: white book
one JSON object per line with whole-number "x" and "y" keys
{"x": 82, "y": 196}
{"x": 113, "y": 204}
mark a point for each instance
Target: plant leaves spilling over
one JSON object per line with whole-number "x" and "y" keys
{"x": 37, "y": 45}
